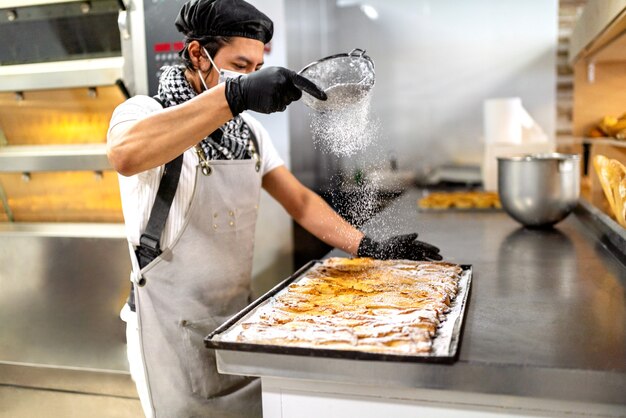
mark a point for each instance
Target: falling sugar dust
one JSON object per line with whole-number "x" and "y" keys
{"x": 355, "y": 201}
{"x": 344, "y": 127}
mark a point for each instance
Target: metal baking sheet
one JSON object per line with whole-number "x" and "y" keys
{"x": 445, "y": 344}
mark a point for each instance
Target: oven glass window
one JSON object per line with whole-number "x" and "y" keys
{"x": 59, "y": 32}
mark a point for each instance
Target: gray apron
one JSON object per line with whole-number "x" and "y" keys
{"x": 193, "y": 287}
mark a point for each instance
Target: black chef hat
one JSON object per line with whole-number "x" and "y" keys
{"x": 200, "y": 18}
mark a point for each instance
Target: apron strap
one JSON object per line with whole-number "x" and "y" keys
{"x": 149, "y": 244}
{"x": 255, "y": 142}
{"x": 257, "y": 150}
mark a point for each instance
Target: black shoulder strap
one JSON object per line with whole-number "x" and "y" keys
{"x": 257, "y": 150}
{"x": 255, "y": 141}
{"x": 150, "y": 241}
{"x": 158, "y": 99}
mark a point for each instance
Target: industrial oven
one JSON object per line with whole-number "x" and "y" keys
{"x": 63, "y": 255}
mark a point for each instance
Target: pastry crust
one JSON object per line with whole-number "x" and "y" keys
{"x": 460, "y": 200}
{"x": 392, "y": 306}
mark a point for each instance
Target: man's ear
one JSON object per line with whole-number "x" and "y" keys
{"x": 197, "y": 57}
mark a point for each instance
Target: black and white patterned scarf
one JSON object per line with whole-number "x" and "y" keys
{"x": 230, "y": 142}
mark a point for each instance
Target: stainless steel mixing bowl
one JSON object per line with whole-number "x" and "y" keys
{"x": 539, "y": 190}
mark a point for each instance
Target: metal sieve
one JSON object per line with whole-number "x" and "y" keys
{"x": 347, "y": 79}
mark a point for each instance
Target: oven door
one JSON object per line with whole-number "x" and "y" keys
{"x": 59, "y": 44}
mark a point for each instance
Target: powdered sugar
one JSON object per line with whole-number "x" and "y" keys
{"x": 344, "y": 127}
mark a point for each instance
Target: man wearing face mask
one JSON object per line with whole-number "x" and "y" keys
{"x": 191, "y": 167}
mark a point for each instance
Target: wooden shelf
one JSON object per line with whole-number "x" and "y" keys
{"x": 600, "y": 33}
{"x": 580, "y": 140}
{"x": 607, "y": 142}
{"x": 598, "y": 55}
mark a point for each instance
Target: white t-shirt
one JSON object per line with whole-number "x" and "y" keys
{"x": 139, "y": 191}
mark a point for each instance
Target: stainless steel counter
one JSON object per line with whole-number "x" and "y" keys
{"x": 546, "y": 316}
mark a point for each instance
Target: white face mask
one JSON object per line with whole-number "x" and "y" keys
{"x": 223, "y": 74}
{"x": 226, "y": 74}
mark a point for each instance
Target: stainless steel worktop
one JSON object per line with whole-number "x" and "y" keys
{"x": 546, "y": 315}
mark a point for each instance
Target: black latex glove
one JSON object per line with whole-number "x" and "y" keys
{"x": 268, "y": 90}
{"x": 401, "y": 247}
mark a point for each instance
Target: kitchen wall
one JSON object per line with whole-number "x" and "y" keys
{"x": 436, "y": 61}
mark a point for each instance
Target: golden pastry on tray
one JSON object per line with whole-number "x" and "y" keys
{"x": 460, "y": 200}
{"x": 392, "y": 307}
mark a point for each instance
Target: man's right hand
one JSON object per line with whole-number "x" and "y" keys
{"x": 268, "y": 90}
{"x": 403, "y": 247}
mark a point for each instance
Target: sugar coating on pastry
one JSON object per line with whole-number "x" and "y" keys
{"x": 391, "y": 307}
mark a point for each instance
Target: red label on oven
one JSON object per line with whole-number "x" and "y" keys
{"x": 162, "y": 47}
{"x": 178, "y": 46}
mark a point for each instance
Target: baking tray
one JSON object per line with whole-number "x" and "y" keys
{"x": 445, "y": 344}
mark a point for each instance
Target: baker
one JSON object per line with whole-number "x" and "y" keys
{"x": 191, "y": 166}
